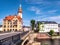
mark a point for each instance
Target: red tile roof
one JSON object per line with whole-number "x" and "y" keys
{"x": 11, "y": 17}
{"x": 19, "y": 17}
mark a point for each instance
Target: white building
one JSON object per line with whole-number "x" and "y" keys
{"x": 26, "y": 28}
{"x": 1, "y": 29}
{"x": 46, "y": 26}
{"x": 59, "y": 27}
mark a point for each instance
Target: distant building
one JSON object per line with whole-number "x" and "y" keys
{"x": 0, "y": 25}
{"x": 1, "y": 28}
{"x": 13, "y": 23}
{"x": 46, "y": 26}
{"x": 26, "y": 28}
{"x": 59, "y": 27}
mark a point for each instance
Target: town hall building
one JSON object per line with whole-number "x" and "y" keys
{"x": 13, "y": 22}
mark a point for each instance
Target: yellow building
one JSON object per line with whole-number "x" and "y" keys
{"x": 13, "y": 23}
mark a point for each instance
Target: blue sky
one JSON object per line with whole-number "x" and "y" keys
{"x": 42, "y": 10}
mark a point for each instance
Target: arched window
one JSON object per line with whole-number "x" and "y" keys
{"x": 4, "y": 30}
{"x": 10, "y": 30}
{"x": 15, "y": 29}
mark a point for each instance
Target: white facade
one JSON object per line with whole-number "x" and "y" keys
{"x": 20, "y": 11}
{"x": 26, "y": 28}
{"x": 20, "y": 14}
{"x": 1, "y": 29}
{"x": 48, "y": 27}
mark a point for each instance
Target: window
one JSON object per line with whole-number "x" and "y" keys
{"x": 15, "y": 29}
{"x": 10, "y": 25}
{"x": 4, "y": 26}
{"x": 10, "y": 29}
{"x": 15, "y": 26}
{"x": 8, "y": 22}
{"x": 4, "y": 29}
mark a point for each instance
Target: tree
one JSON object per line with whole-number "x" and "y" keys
{"x": 51, "y": 32}
{"x": 32, "y": 24}
{"x": 38, "y": 26}
{"x": 42, "y": 27}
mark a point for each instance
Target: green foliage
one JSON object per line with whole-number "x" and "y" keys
{"x": 32, "y": 24}
{"x": 38, "y": 26}
{"x": 51, "y": 32}
{"x": 45, "y": 44}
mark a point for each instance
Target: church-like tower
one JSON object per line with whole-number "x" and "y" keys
{"x": 13, "y": 22}
{"x": 20, "y": 11}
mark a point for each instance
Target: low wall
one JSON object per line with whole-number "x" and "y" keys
{"x": 12, "y": 40}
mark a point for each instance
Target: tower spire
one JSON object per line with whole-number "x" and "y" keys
{"x": 20, "y": 11}
{"x": 20, "y": 5}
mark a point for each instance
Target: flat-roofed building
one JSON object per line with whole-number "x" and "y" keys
{"x": 26, "y": 28}
{"x": 46, "y": 26}
{"x": 59, "y": 27}
{"x": 1, "y": 28}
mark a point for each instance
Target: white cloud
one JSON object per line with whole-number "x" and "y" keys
{"x": 33, "y": 1}
{"x": 55, "y": 18}
{"x": 43, "y": 18}
{"x": 52, "y": 18}
{"x": 52, "y": 11}
{"x": 39, "y": 10}
{"x": 32, "y": 8}
{"x": 37, "y": 2}
{"x": 44, "y": 2}
{"x": 35, "y": 9}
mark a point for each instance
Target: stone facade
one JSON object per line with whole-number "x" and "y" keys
{"x": 13, "y": 23}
